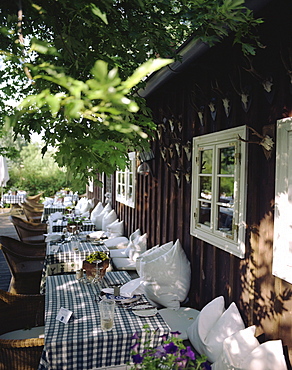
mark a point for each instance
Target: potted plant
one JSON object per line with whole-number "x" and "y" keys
{"x": 96, "y": 260}
{"x": 171, "y": 354}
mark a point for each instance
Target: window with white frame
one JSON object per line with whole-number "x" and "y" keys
{"x": 219, "y": 189}
{"x": 125, "y": 183}
{"x": 282, "y": 247}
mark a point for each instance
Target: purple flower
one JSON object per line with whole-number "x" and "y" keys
{"x": 206, "y": 366}
{"x": 135, "y": 347}
{"x": 188, "y": 353}
{"x": 170, "y": 347}
{"x": 164, "y": 337}
{"x": 175, "y": 333}
{"x": 181, "y": 363}
{"x": 160, "y": 352}
{"x": 137, "y": 359}
{"x": 135, "y": 336}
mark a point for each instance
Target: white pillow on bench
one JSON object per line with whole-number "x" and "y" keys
{"x": 167, "y": 277}
{"x": 212, "y": 326}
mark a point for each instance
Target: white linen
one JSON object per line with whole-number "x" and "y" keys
{"x": 133, "y": 287}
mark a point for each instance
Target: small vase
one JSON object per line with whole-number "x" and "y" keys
{"x": 95, "y": 268}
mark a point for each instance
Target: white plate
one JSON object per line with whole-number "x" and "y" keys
{"x": 146, "y": 312}
{"x": 119, "y": 298}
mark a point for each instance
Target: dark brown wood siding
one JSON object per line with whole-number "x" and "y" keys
{"x": 163, "y": 204}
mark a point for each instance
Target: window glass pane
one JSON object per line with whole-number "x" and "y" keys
{"x": 226, "y": 190}
{"x": 226, "y": 165}
{"x": 205, "y": 213}
{"x": 205, "y": 187}
{"x": 130, "y": 192}
{"x": 206, "y": 161}
{"x": 225, "y": 219}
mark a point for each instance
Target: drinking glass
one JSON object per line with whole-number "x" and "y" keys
{"x": 107, "y": 312}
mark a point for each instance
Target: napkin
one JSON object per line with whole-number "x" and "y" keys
{"x": 56, "y": 216}
{"x": 53, "y": 248}
{"x": 96, "y": 234}
{"x": 53, "y": 237}
{"x": 128, "y": 290}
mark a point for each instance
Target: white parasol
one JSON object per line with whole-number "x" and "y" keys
{"x": 4, "y": 175}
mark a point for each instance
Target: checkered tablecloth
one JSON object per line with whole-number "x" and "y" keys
{"x": 57, "y": 226}
{"x": 48, "y": 210}
{"x": 13, "y": 199}
{"x": 81, "y": 344}
{"x": 66, "y": 260}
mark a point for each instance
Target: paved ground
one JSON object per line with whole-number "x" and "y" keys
{"x": 7, "y": 229}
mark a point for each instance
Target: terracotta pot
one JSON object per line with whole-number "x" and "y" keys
{"x": 90, "y": 268}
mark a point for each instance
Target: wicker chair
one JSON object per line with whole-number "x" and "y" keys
{"x": 35, "y": 198}
{"x": 33, "y": 204}
{"x": 32, "y": 214}
{"x": 29, "y": 232}
{"x": 25, "y": 263}
{"x": 18, "y": 312}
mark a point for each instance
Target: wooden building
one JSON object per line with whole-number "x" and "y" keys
{"x": 211, "y": 91}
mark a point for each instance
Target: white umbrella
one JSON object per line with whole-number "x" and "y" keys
{"x": 4, "y": 175}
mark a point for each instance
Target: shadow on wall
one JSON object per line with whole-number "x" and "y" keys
{"x": 266, "y": 299}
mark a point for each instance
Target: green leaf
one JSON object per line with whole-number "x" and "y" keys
{"x": 146, "y": 68}
{"x": 96, "y": 11}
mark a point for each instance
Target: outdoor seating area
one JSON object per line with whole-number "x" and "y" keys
{"x": 148, "y": 286}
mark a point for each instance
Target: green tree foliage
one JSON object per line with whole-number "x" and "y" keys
{"x": 75, "y": 64}
{"x": 34, "y": 172}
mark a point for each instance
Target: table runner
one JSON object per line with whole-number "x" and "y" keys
{"x": 81, "y": 344}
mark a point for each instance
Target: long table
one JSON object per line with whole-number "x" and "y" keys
{"x": 81, "y": 344}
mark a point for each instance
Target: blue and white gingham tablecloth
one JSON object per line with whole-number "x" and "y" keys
{"x": 57, "y": 226}
{"x": 48, "y": 210}
{"x": 13, "y": 199}
{"x": 81, "y": 344}
{"x": 66, "y": 260}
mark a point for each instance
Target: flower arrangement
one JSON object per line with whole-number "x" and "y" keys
{"x": 95, "y": 256}
{"x": 172, "y": 354}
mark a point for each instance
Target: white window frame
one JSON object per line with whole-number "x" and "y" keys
{"x": 282, "y": 246}
{"x": 124, "y": 185}
{"x": 234, "y": 241}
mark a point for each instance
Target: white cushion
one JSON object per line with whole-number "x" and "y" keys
{"x": 167, "y": 278}
{"x": 86, "y": 206}
{"x": 120, "y": 242}
{"x": 95, "y": 212}
{"x": 98, "y": 217}
{"x": 179, "y": 320}
{"x": 36, "y": 332}
{"x": 137, "y": 247}
{"x": 236, "y": 348}
{"x": 80, "y": 203}
{"x": 134, "y": 235}
{"x": 108, "y": 219}
{"x": 154, "y": 253}
{"x": 267, "y": 356}
{"x": 118, "y": 253}
{"x": 209, "y": 315}
{"x": 139, "y": 258}
{"x": 115, "y": 229}
{"x": 124, "y": 264}
{"x": 211, "y": 344}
